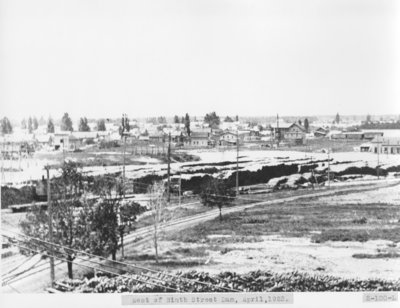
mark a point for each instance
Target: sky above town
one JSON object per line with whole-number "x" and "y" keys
{"x": 155, "y": 57}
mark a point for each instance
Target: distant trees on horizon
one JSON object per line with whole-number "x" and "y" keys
{"x": 66, "y": 123}
{"x": 212, "y": 119}
{"x": 6, "y": 127}
{"x": 83, "y": 125}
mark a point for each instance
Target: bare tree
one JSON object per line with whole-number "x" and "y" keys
{"x": 157, "y": 204}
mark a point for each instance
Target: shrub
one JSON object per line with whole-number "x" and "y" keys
{"x": 360, "y": 221}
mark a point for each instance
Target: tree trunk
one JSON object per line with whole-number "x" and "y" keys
{"x": 122, "y": 245}
{"x": 220, "y": 214}
{"x": 156, "y": 245}
{"x": 114, "y": 255}
{"x": 69, "y": 265}
{"x": 156, "y": 253}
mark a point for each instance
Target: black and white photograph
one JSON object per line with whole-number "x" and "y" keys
{"x": 199, "y": 148}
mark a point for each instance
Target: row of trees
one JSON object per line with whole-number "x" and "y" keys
{"x": 211, "y": 118}
{"x": 99, "y": 226}
{"x": 184, "y": 120}
{"x": 229, "y": 119}
{"x": 306, "y": 124}
{"x": 66, "y": 124}
{"x": 96, "y": 226}
{"x": 32, "y": 124}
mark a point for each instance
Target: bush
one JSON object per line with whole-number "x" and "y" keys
{"x": 363, "y": 170}
{"x": 341, "y": 235}
{"x": 388, "y": 255}
{"x": 11, "y": 195}
{"x": 256, "y": 281}
{"x": 109, "y": 144}
{"x": 360, "y": 221}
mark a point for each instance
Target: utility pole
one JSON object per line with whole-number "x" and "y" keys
{"x": 123, "y": 135}
{"x": 329, "y": 170}
{"x": 50, "y": 211}
{"x": 237, "y": 162}
{"x": 377, "y": 151}
{"x": 123, "y": 168}
{"x": 312, "y": 172}
{"x": 169, "y": 168}
{"x": 180, "y": 188}
{"x": 277, "y": 130}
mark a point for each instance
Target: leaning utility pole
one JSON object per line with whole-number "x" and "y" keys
{"x": 50, "y": 211}
{"x": 169, "y": 168}
{"x": 237, "y": 163}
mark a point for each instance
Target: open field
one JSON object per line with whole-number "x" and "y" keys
{"x": 312, "y": 235}
{"x": 281, "y": 247}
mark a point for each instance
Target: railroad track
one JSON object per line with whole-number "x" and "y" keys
{"x": 143, "y": 235}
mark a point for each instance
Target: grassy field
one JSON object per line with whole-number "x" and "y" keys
{"x": 315, "y": 235}
{"x": 323, "y": 222}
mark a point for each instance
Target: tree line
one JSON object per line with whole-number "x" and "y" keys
{"x": 94, "y": 226}
{"x": 32, "y": 124}
{"x": 99, "y": 226}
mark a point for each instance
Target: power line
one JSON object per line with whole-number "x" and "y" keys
{"x": 15, "y": 267}
{"x": 8, "y": 279}
{"x": 92, "y": 267}
{"x": 119, "y": 262}
{"x": 98, "y": 263}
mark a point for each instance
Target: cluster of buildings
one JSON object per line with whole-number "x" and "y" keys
{"x": 382, "y": 145}
{"x": 200, "y": 136}
{"x": 157, "y": 136}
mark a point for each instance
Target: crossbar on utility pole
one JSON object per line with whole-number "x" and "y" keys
{"x": 50, "y": 212}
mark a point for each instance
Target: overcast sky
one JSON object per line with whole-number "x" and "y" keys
{"x": 157, "y": 57}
